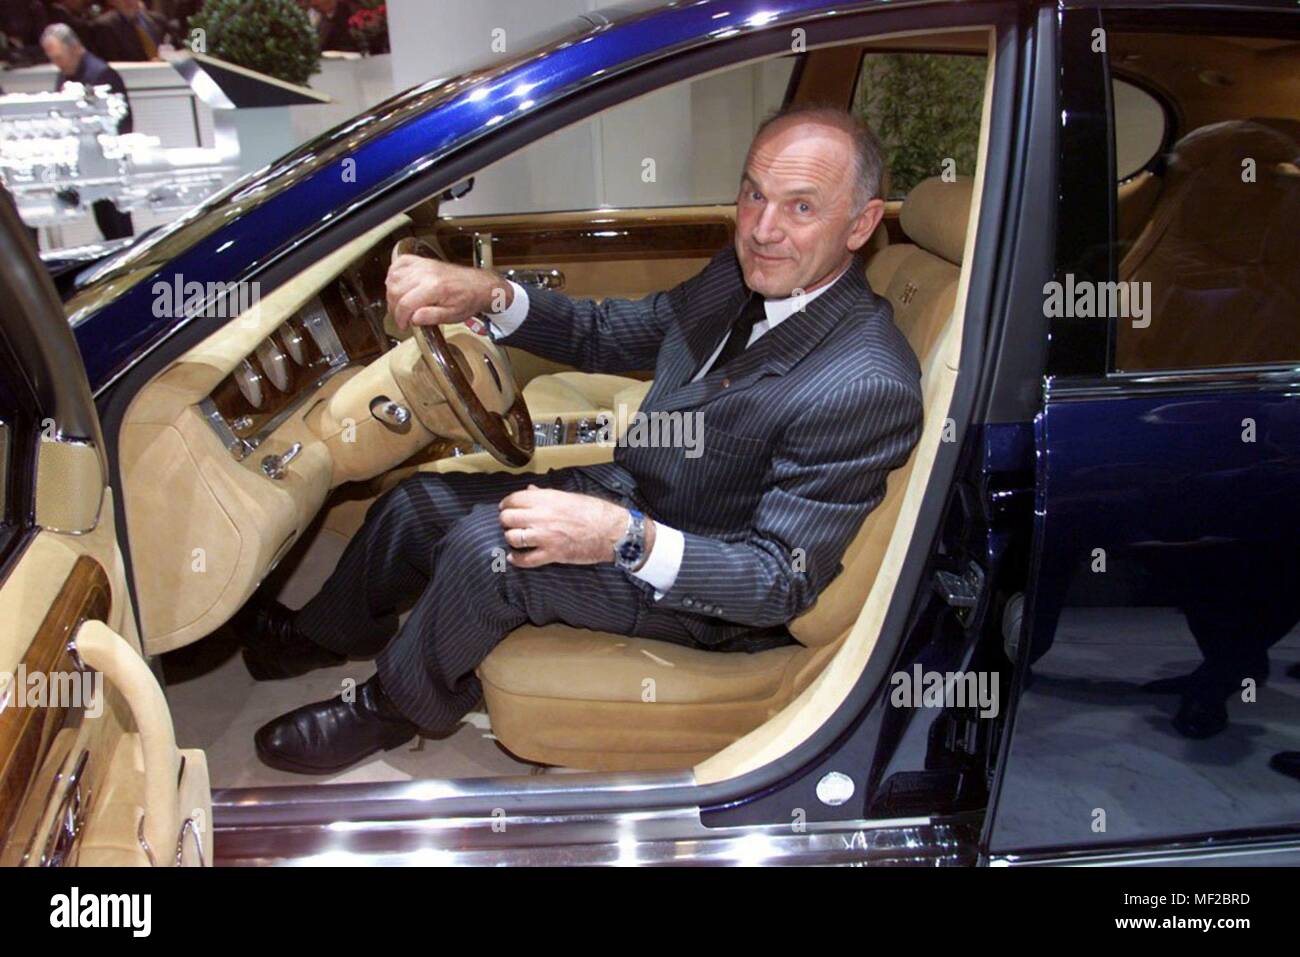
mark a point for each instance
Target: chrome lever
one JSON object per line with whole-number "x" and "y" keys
{"x": 277, "y": 466}
{"x": 544, "y": 278}
{"x": 392, "y": 414}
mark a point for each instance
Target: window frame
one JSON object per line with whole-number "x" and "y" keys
{"x": 1081, "y": 353}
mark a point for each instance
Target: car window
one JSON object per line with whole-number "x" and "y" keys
{"x": 16, "y": 423}
{"x": 942, "y": 138}
{"x": 678, "y": 146}
{"x": 1207, "y": 263}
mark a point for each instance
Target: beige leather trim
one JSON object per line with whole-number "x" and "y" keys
{"x": 105, "y": 651}
{"x": 935, "y": 216}
{"x": 813, "y": 707}
{"x": 112, "y": 776}
{"x": 204, "y": 528}
{"x": 69, "y": 486}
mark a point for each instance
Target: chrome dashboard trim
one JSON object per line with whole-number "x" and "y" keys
{"x": 316, "y": 319}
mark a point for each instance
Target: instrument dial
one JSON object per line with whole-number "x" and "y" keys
{"x": 295, "y": 343}
{"x": 274, "y": 363}
{"x": 250, "y": 383}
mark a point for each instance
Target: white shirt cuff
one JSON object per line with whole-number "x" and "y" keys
{"x": 664, "y": 561}
{"x": 512, "y": 317}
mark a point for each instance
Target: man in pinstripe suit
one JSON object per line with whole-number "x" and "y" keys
{"x": 807, "y": 394}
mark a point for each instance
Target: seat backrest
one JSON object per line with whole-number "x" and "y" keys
{"x": 920, "y": 281}
{"x": 1219, "y": 252}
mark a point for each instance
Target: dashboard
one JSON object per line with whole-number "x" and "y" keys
{"x": 340, "y": 326}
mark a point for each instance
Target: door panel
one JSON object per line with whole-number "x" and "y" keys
{"x": 1167, "y": 550}
{"x": 88, "y": 763}
{"x": 71, "y": 784}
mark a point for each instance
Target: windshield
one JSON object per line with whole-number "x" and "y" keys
{"x": 119, "y": 273}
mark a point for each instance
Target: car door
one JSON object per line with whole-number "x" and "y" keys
{"x": 1157, "y": 711}
{"x": 90, "y": 773}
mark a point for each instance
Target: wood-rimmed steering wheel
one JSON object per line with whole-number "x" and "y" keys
{"x": 467, "y": 372}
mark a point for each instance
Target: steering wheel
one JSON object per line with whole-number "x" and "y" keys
{"x": 469, "y": 368}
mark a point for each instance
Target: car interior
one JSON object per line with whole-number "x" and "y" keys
{"x": 249, "y": 461}
{"x": 315, "y": 379}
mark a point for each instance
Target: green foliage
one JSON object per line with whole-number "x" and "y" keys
{"x": 270, "y": 36}
{"x": 925, "y": 107}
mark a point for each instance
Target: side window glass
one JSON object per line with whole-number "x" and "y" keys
{"x": 679, "y": 146}
{"x": 943, "y": 137}
{"x": 1208, "y": 263}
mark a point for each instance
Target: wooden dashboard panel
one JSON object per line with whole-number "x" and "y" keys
{"x": 341, "y": 326}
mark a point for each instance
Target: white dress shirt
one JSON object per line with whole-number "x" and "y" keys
{"x": 665, "y": 559}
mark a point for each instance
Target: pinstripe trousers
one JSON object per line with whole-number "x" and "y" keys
{"x": 435, "y": 540}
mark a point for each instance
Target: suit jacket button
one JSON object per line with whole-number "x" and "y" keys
{"x": 686, "y": 602}
{"x": 726, "y": 383}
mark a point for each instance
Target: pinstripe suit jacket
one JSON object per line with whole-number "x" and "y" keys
{"x": 799, "y": 430}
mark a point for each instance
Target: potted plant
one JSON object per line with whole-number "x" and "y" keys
{"x": 369, "y": 26}
{"x": 274, "y": 37}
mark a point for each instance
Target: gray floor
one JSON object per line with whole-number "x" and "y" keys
{"x": 1086, "y": 737}
{"x": 216, "y": 706}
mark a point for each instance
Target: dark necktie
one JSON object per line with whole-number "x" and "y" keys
{"x": 740, "y": 332}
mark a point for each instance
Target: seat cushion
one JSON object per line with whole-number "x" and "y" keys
{"x": 567, "y": 394}
{"x": 606, "y": 702}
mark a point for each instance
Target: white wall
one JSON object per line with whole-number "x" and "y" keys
{"x": 696, "y": 133}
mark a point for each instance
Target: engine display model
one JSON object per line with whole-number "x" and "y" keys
{"x": 61, "y": 152}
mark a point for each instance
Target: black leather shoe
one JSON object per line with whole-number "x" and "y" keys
{"x": 274, "y": 648}
{"x": 331, "y": 735}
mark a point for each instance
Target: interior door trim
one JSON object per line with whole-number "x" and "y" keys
{"x": 28, "y": 736}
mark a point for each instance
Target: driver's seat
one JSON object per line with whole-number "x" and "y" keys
{"x": 600, "y": 701}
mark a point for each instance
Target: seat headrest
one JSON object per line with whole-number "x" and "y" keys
{"x": 1267, "y": 140}
{"x": 934, "y": 216}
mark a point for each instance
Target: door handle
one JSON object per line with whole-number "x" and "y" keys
{"x": 541, "y": 278}
{"x": 107, "y": 652}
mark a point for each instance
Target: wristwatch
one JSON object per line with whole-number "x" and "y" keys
{"x": 630, "y": 549}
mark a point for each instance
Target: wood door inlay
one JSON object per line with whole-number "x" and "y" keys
{"x": 27, "y": 734}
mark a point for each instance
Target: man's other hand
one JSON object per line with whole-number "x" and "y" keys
{"x": 427, "y": 292}
{"x": 544, "y": 525}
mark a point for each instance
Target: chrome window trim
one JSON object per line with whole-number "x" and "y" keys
{"x": 1209, "y": 850}
{"x": 1280, "y": 377}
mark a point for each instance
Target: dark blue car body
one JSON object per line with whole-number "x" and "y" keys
{"x": 1055, "y": 458}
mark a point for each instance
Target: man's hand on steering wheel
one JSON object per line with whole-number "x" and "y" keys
{"x": 427, "y": 292}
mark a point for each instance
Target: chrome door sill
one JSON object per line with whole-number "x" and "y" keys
{"x": 501, "y": 821}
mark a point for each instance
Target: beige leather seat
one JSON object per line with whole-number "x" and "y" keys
{"x": 572, "y": 395}
{"x": 600, "y": 701}
{"x": 1219, "y": 252}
